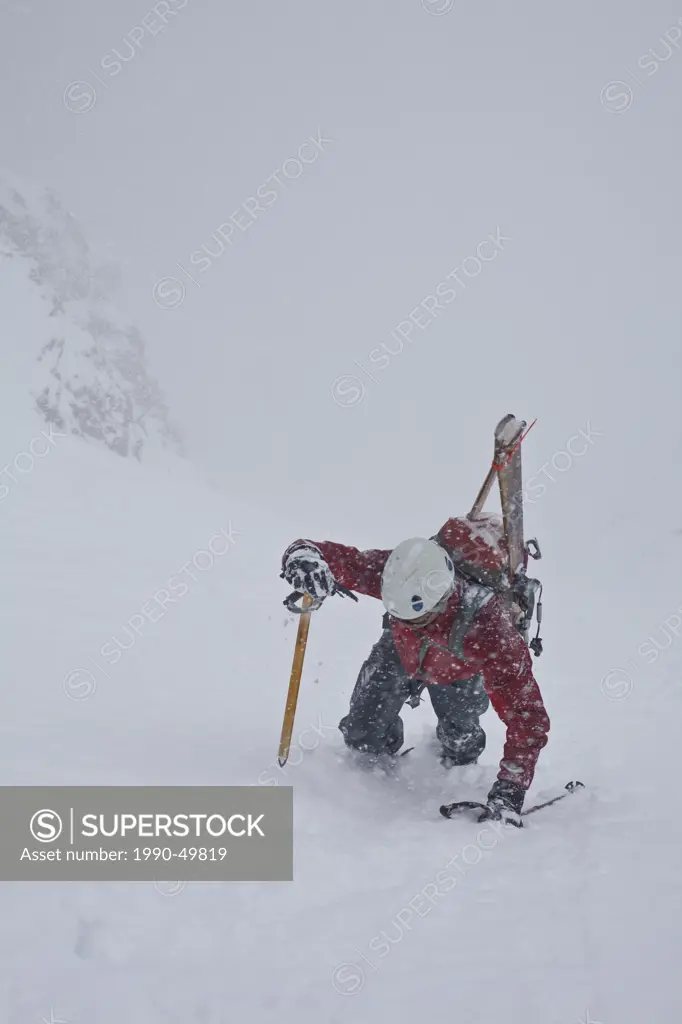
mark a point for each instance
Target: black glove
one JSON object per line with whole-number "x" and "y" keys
{"x": 505, "y": 801}
{"x": 306, "y": 570}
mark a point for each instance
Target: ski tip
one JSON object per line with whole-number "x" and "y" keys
{"x": 509, "y": 429}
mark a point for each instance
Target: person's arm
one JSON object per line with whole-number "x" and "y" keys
{"x": 356, "y": 570}
{"x": 513, "y": 692}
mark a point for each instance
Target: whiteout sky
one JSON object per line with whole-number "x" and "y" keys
{"x": 444, "y": 127}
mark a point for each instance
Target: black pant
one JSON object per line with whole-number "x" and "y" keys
{"x": 373, "y": 722}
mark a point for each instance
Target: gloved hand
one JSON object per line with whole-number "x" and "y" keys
{"x": 505, "y": 802}
{"x": 306, "y": 570}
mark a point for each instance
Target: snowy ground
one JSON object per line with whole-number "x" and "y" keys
{"x": 575, "y": 918}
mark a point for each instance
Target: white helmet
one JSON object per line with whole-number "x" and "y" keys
{"x": 417, "y": 576}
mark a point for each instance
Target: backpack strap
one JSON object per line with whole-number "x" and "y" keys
{"x": 473, "y": 598}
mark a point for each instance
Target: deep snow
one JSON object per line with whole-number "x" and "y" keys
{"x": 578, "y": 913}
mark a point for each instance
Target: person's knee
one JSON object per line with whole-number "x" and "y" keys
{"x": 464, "y": 744}
{"x": 371, "y": 735}
{"x": 357, "y": 733}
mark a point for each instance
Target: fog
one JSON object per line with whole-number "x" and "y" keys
{"x": 446, "y": 123}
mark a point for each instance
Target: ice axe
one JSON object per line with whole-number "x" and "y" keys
{"x": 295, "y": 679}
{"x": 304, "y": 609}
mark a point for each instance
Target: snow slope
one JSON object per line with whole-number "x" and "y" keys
{"x": 394, "y": 912}
{"x": 579, "y": 914}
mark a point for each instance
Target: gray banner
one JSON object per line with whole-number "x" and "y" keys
{"x": 146, "y": 833}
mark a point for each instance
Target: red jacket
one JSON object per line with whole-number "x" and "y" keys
{"x": 491, "y": 646}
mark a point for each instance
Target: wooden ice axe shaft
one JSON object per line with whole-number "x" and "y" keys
{"x": 294, "y": 682}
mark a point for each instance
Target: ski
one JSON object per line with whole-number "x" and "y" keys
{"x": 570, "y": 787}
{"x": 507, "y": 463}
{"x": 509, "y": 433}
{"x": 461, "y": 806}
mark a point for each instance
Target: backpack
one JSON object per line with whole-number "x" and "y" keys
{"x": 478, "y": 552}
